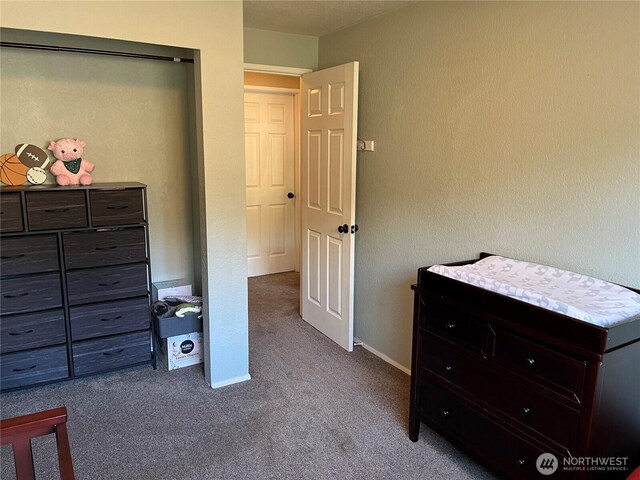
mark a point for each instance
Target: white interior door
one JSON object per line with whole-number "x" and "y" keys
{"x": 269, "y": 157}
{"x": 329, "y": 124}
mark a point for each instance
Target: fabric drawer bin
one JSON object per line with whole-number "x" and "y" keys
{"x": 56, "y": 210}
{"x": 171, "y": 326}
{"x": 10, "y": 213}
{"x": 34, "y": 366}
{"x": 94, "y": 356}
{"x": 102, "y": 319}
{"x": 29, "y": 254}
{"x": 28, "y": 294}
{"x": 116, "y": 207}
{"x": 102, "y": 248}
{"x": 32, "y": 330}
{"x": 107, "y": 283}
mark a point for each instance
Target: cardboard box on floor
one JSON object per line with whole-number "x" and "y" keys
{"x": 181, "y": 350}
{"x": 161, "y": 290}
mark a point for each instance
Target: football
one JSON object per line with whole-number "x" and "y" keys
{"x": 32, "y": 156}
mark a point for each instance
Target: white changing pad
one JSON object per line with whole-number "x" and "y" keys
{"x": 579, "y": 296}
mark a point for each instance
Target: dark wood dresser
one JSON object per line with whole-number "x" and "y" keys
{"x": 508, "y": 381}
{"x": 74, "y": 282}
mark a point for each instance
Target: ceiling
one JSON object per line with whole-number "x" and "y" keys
{"x": 313, "y": 17}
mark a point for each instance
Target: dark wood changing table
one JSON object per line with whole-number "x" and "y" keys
{"x": 507, "y": 381}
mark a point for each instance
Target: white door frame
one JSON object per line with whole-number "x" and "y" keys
{"x": 293, "y": 72}
{"x": 295, "y": 92}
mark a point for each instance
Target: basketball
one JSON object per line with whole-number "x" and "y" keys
{"x": 12, "y": 170}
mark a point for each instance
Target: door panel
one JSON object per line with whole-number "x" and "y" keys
{"x": 269, "y": 157}
{"x": 329, "y": 118}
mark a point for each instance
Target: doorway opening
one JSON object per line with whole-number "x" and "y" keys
{"x": 314, "y": 127}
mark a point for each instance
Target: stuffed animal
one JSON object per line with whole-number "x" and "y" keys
{"x": 70, "y": 168}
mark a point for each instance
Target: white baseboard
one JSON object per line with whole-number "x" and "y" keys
{"x": 231, "y": 381}
{"x": 383, "y": 357}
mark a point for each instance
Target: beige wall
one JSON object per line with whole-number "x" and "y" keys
{"x": 508, "y": 127}
{"x": 265, "y": 47}
{"x": 214, "y": 30}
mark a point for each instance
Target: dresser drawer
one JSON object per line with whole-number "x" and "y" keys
{"x": 443, "y": 359}
{"x": 109, "y": 247}
{"x": 517, "y": 401}
{"x": 535, "y": 410}
{"x": 560, "y": 372}
{"x": 453, "y": 324}
{"x": 32, "y": 293}
{"x": 34, "y": 366}
{"x": 10, "y": 213}
{"x": 116, "y": 207}
{"x": 56, "y": 210}
{"x": 446, "y": 412}
{"x": 29, "y": 254}
{"x": 102, "y": 319}
{"x": 32, "y": 330}
{"x": 107, "y": 283}
{"x": 94, "y": 356}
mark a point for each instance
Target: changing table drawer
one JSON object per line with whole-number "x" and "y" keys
{"x": 563, "y": 373}
{"x": 447, "y": 412}
{"x": 459, "y": 327}
{"x": 517, "y": 401}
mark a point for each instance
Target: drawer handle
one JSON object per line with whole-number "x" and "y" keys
{"x": 15, "y": 334}
{"x": 115, "y": 352}
{"x": 109, "y": 319}
{"x": 445, "y": 413}
{"x": 56, "y": 210}
{"x": 11, "y": 257}
{"x": 530, "y": 361}
{"x": 24, "y": 369}
{"x": 450, "y": 326}
{"x": 117, "y": 207}
{"x": 109, "y": 284}
{"x": 17, "y": 295}
{"x": 106, "y": 248}
{"x": 525, "y": 410}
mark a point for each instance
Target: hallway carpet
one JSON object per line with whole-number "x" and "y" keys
{"x": 310, "y": 411}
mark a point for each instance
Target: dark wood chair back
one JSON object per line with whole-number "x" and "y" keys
{"x": 19, "y": 431}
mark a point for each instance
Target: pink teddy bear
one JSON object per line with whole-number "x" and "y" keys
{"x": 70, "y": 168}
